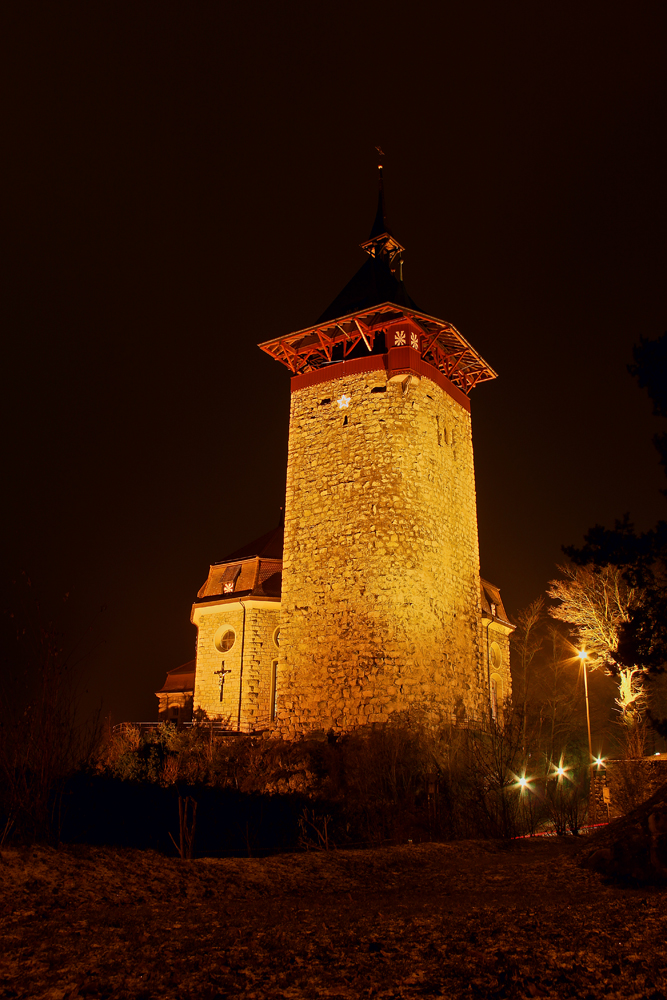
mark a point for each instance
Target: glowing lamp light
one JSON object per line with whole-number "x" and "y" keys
{"x": 599, "y": 761}
{"x": 523, "y": 782}
{"x": 582, "y": 654}
{"x": 560, "y": 771}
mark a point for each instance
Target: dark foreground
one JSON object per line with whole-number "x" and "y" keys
{"x": 434, "y": 920}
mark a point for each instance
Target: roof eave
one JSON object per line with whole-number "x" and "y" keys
{"x": 271, "y": 346}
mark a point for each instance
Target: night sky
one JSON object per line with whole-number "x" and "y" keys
{"x": 184, "y": 181}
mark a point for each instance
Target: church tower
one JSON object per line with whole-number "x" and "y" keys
{"x": 381, "y": 607}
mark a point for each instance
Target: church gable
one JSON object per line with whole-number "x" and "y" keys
{"x": 237, "y": 614}
{"x": 496, "y": 629}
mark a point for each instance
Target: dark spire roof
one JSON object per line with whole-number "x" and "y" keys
{"x": 380, "y": 278}
{"x": 373, "y": 284}
{"x": 380, "y": 225}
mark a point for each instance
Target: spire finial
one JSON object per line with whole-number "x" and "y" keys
{"x": 380, "y": 225}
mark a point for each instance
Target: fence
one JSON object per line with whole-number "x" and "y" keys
{"x": 145, "y": 727}
{"x": 471, "y": 723}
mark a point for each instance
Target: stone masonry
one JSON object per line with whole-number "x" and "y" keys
{"x": 248, "y": 664}
{"x": 381, "y": 593}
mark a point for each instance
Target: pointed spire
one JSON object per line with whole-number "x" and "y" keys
{"x": 381, "y": 243}
{"x": 380, "y": 225}
{"x": 379, "y": 279}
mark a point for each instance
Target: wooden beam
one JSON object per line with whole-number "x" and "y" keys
{"x": 369, "y": 347}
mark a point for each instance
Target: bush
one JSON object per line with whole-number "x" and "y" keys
{"x": 414, "y": 778}
{"x": 102, "y": 809}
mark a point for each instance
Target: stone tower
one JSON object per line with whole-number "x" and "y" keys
{"x": 381, "y": 608}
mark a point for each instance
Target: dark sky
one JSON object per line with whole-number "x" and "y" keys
{"x": 183, "y": 181}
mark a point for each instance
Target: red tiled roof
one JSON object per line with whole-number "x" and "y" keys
{"x": 254, "y": 577}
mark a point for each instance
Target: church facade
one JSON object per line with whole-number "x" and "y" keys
{"x": 370, "y": 602}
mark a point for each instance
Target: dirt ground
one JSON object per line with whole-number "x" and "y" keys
{"x": 473, "y": 919}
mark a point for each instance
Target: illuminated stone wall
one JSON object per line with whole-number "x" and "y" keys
{"x": 496, "y": 647}
{"x": 259, "y": 652}
{"x": 380, "y": 602}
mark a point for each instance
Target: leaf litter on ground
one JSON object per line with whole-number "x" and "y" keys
{"x": 466, "y": 919}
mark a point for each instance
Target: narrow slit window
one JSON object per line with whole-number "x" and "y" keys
{"x": 273, "y": 696}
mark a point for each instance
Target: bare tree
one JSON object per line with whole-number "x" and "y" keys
{"x": 527, "y": 641}
{"x": 598, "y": 602}
{"x": 42, "y": 738}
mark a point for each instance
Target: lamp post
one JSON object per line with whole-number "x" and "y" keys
{"x": 583, "y": 656}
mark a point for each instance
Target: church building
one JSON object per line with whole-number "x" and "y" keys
{"x": 368, "y": 600}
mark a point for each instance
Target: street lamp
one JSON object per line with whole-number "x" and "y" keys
{"x": 583, "y": 656}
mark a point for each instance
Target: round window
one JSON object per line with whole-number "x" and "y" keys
{"x": 276, "y": 636}
{"x": 224, "y": 639}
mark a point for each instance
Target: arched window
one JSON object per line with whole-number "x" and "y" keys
{"x": 496, "y": 695}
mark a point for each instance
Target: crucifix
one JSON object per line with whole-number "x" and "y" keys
{"x": 221, "y": 674}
